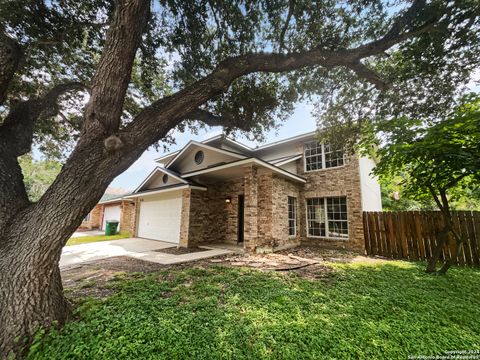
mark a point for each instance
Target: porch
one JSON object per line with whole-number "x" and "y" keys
{"x": 244, "y": 205}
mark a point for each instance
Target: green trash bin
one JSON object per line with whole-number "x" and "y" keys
{"x": 111, "y": 227}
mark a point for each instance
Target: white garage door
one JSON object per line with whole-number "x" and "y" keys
{"x": 159, "y": 217}
{"x": 111, "y": 212}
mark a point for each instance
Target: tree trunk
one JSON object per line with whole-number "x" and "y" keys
{"x": 31, "y": 295}
{"x": 448, "y": 263}
{"x": 442, "y": 239}
{"x": 31, "y": 242}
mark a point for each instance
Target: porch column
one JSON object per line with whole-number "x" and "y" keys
{"x": 185, "y": 219}
{"x": 251, "y": 208}
{"x": 192, "y": 218}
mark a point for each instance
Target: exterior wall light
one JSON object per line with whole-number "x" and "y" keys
{"x": 228, "y": 200}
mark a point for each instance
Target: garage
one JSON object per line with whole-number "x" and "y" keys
{"x": 111, "y": 212}
{"x": 160, "y": 217}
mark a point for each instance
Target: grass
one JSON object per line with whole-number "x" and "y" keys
{"x": 367, "y": 311}
{"x": 90, "y": 239}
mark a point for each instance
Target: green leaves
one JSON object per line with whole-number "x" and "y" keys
{"x": 185, "y": 40}
{"x": 38, "y": 175}
{"x": 433, "y": 156}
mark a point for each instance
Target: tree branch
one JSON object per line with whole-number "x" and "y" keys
{"x": 114, "y": 70}
{"x": 291, "y": 6}
{"x": 435, "y": 197}
{"x": 211, "y": 119}
{"x": 365, "y": 73}
{"x": 395, "y": 34}
{"x": 153, "y": 122}
{"x": 16, "y": 133}
{"x": 10, "y": 55}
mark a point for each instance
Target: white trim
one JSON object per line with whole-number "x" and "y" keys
{"x": 326, "y": 237}
{"x": 261, "y": 147}
{"x": 167, "y": 155}
{"x": 228, "y": 139}
{"x": 148, "y": 193}
{"x": 162, "y": 170}
{"x": 295, "y": 203}
{"x": 293, "y": 138}
{"x": 295, "y": 158}
{"x": 324, "y": 162}
{"x": 244, "y": 162}
{"x": 192, "y": 142}
{"x": 109, "y": 201}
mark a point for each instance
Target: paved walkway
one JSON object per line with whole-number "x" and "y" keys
{"x": 142, "y": 249}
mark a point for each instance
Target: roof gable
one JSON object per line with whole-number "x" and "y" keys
{"x": 157, "y": 179}
{"x": 186, "y": 161}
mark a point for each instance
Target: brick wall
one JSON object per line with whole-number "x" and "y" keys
{"x": 208, "y": 218}
{"x": 265, "y": 212}
{"x": 192, "y": 226}
{"x": 220, "y": 217}
{"x": 340, "y": 181}
{"x": 282, "y": 189}
{"x": 128, "y": 217}
{"x": 96, "y": 216}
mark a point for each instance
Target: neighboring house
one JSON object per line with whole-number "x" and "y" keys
{"x": 271, "y": 197}
{"x": 111, "y": 207}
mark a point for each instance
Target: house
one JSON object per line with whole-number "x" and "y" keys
{"x": 271, "y": 197}
{"x": 112, "y": 206}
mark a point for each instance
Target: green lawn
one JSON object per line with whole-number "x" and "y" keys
{"x": 367, "y": 311}
{"x": 90, "y": 239}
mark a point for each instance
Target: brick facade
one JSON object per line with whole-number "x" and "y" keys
{"x": 212, "y": 215}
{"x": 193, "y": 222}
{"x": 221, "y": 217}
{"x": 128, "y": 217}
{"x": 340, "y": 181}
{"x": 214, "y": 220}
{"x": 95, "y": 219}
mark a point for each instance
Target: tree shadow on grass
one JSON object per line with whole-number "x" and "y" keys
{"x": 388, "y": 310}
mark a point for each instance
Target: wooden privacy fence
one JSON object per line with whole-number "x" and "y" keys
{"x": 413, "y": 235}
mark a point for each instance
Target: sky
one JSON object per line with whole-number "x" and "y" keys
{"x": 301, "y": 121}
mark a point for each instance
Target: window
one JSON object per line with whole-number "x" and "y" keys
{"x": 319, "y": 156}
{"x": 165, "y": 178}
{"x": 87, "y": 218}
{"x": 313, "y": 156}
{"x": 199, "y": 156}
{"x": 292, "y": 216}
{"x": 327, "y": 217}
{"x": 333, "y": 156}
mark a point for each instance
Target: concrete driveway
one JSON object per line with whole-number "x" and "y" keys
{"x": 142, "y": 249}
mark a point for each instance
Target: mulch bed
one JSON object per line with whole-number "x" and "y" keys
{"x": 180, "y": 251}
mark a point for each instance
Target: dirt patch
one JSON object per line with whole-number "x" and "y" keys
{"x": 180, "y": 251}
{"x": 91, "y": 279}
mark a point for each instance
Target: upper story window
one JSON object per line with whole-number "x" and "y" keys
{"x": 322, "y": 156}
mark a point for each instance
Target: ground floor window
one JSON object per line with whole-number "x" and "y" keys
{"x": 87, "y": 218}
{"x": 327, "y": 217}
{"x": 292, "y": 216}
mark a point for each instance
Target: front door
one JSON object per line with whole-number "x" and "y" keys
{"x": 241, "y": 206}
